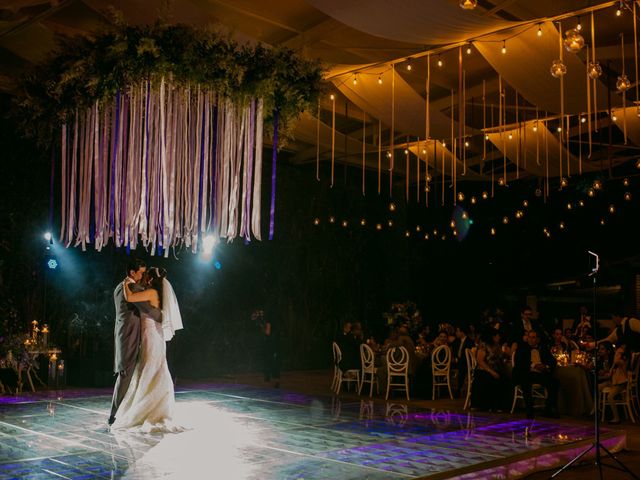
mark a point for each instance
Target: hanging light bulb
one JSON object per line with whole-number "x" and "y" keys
{"x": 627, "y": 196}
{"x": 468, "y": 4}
{"x": 501, "y": 181}
{"x": 519, "y": 213}
{"x": 439, "y": 61}
{"x": 638, "y": 163}
{"x": 345, "y": 223}
{"x": 406, "y": 151}
{"x": 469, "y": 50}
{"x": 332, "y": 97}
{"x": 378, "y": 226}
{"x": 493, "y": 231}
{"x": 591, "y": 192}
{"x": 597, "y": 185}
{"x": 581, "y": 203}
{"x": 466, "y": 144}
{"x": 424, "y": 151}
{"x": 407, "y": 233}
{"x": 563, "y": 182}
{"x": 473, "y": 200}
{"x": 363, "y": 222}
{"x": 435, "y": 231}
{"x": 444, "y": 144}
{"x": 504, "y": 47}
{"x": 380, "y": 79}
{"x": 625, "y": 182}
{"x": 559, "y": 129}
{"x": 465, "y": 215}
{"x": 539, "y": 30}
{"x": 573, "y": 41}
{"x": 561, "y": 225}
{"x": 579, "y": 25}
{"x": 485, "y": 195}
{"x": 453, "y": 224}
{"x": 486, "y": 136}
{"x": 619, "y": 11}
{"x": 569, "y": 206}
{"x": 428, "y": 177}
{"x": 460, "y": 196}
{"x": 602, "y": 222}
{"x": 426, "y": 236}
{"x": 505, "y": 220}
{"x": 392, "y": 207}
{"x": 355, "y": 79}
{"x": 316, "y": 221}
{"x": 409, "y": 66}
{"x": 614, "y": 117}
{"x": 623, "y": 83}
{"x": 390, "y": 223}
{"x": 332, "y": 219}
{"x": 612, "y": 209}
{"x": 418, "y": 228}
{"x": 525, "y": 203}
{"x": 594, "y": 70}
{"x": 558, "y": 69}
{"x": 583, "y": 119}
{"x": 538, "y": 192}
{"x": 535, "y": 127}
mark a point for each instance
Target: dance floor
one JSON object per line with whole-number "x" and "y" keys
{"x": 244, "y": 432}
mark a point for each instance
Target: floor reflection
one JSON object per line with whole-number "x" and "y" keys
{"x": 243, "y": 432}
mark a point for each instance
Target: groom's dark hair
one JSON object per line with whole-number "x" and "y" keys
{"x": 134, "y": 265}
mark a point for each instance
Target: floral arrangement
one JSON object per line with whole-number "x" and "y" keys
{"x": 400, "y": 313}
{"x": 85, "y": 70}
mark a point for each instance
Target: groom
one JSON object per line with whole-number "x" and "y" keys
{"x": 127, "y": 331}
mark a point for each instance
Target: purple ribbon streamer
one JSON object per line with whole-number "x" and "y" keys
{"x": 123, "y": 186}
{"x": 51, "y": 184}
{"x": 212, "y": 168}
{"x": 146, "y": 156}
{"x": 200, "y": 191}
{"x": 114, "y": 150}
{"x": 274, "y": 157}
{"x": 249, "y": 184}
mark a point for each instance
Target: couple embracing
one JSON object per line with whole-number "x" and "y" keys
{"x": 147, "y": 315}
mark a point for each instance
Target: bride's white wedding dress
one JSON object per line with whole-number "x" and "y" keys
{"x": 148, "y": 405}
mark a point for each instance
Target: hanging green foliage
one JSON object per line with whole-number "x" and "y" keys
{"x": 83, "y": 70}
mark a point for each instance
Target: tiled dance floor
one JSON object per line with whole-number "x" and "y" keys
{"x": 243, "y": 432}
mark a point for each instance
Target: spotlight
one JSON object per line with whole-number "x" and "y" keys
{"x": 52, "y": 263}
{"x": 47, "y": 236}
{"x": 209, "y": 242}
{"x": 218, "y": 265}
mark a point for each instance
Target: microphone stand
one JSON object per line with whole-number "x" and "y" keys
{"x": 597, "y": 445}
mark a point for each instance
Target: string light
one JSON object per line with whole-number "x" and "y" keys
{"x": 625, "y": 182}
{"x": 486, "y": 136}
{"x": 332, "y": 219}
{"x": 406, "y": 151}
{"x": 439, "y": 61}
{"x": 561, "y": 225}
{"x": 392, "y": 207}
{"x": 581, "y": 203}
{"x": 409, "y": 66}
{"x": 597, "y": 185}
{"x": 332, "y": 97}
{"x": 407, "y": 233}
{"x": 627, "y": 196}
{"x": 469, "y": 50}
{"x": 612, "y": 209}
{"x": 535, "y": 128}
{"x": 579, "y": 26}
{"x": 591, "y": 192}
{"x": 418, "y": 228}
{"x": 443, "y": 237}
{"x": 569, "y": 206}
{"x": 390, "y": 223}
{"x": 435, "y": 231}
{"x": 460, "y": 196}
{"x": 378, "y": 226}
{"x": 316, "y": 221}
{"x": 504, "y": 47}
{"x": 426, "y": 236}
{"x": 525, "y": 203}
{"x": 493, "y": 231}
{"x": 485, "y": 195}
{"x": 614, "y": 117}
{"x": 539, "y": 30}
{"x": 465, "y": 215}
{"x": 453, "y": 224}
{"x": 466, "y": 144}
{"x": 444, "y": 144}
{"x": 563, "y": 182}
{"x": 510, "y": 136}
{"x": 505, "y": 219}
{"x": 583, "y": 119}
{"x": 559, "y": 129}
{"x": 501, "y": 182}
{"x": 468, "y": 4}
{"x": 473, "y": 200}
{"x": 602, "y": 222}
{"x": 363, "y": 222}
{"x": 355, "y": 79}
{"x": 380, "y": 79}
{"x": 455, "y": 233}
{"x": 519, "y": 214}
{"x": 619, "y": 10}
{"x": 345, "y": 223}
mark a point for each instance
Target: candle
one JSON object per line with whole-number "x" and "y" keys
{"x": 45, "y": 335}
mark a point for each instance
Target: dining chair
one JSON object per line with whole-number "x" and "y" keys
{"x": 538, "y": 392}
{"x": 623, "y": 398}
{"x": 471, "y": 368}
{"x": 367, "y": 358}
{"x": 398, "y": 367}
{"x": 342, "y": 376}
{"x": 441, "y": 370}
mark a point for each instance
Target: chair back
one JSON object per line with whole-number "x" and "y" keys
{"x": 635, "y": 365}
{"x": 441, "y": 360}
{"x": 397, "y": 361}
{"x": 337, "y": 354}
{"x": 366, "y": 357}
{"x": 471, "y": 362}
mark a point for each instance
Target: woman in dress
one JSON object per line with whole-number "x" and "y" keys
{"x": 491, "y": 384}
{"x": 149, "y": 402}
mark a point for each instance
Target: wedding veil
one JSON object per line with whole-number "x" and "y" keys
{"x": 171, "y": 318}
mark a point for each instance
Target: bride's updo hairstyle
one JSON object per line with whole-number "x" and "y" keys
{"x": 155, "y": 280}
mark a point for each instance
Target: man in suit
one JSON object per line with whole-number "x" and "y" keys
{"x": 459, "y": 357}
{"x": 520, "y": 329}
{"x": 535, "y": 364}
{"x": 127, "y": 332}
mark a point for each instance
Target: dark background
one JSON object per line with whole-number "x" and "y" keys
{"x": 311, "y": 278}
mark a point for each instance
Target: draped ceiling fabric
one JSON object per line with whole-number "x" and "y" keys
{"x": 375, "y": 99}
{"x": 426, "y": 22}
{"x": 630, "y": 115}
{"x": 530, "y": 152}
{"x": 435, "y": 162}
{"x": 526, "y": 67}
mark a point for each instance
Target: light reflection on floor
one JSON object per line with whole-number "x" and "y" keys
{"x": 243, "y": 432}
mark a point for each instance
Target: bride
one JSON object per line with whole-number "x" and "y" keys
{"x": 149, "y": 402}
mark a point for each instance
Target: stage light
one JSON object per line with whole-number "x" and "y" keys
{"x": 48, "y": 236}
{"x": 52, "y": 263}
{"x": 209, "y": 242}
{"x": 218, "y": 265}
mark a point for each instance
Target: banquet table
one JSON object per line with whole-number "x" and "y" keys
{"x": 574, "y": 391}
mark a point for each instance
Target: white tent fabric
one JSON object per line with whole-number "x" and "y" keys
{"x": 526, "y": 67}
{"x": 630, "y": 116}
{"x": 375, "y": 99}
{"x": 529, "y": 151}
{"x": 426, "y": 22}
{"x": 435, "y": 160}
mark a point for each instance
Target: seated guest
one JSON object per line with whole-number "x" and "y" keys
{"x": 604, "y": 361}
{"x": 618, "y": 377}
{"x": 535, "y": 364}
{"x": 627, "y": 332}
{"x": 441, "y": 339}
{"x": 459, "y": 357}
{"x": 561, "y": 344}
{"x": 491, "y": 386}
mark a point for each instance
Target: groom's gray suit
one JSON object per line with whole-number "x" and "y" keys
{"x": 127, "y": 339}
